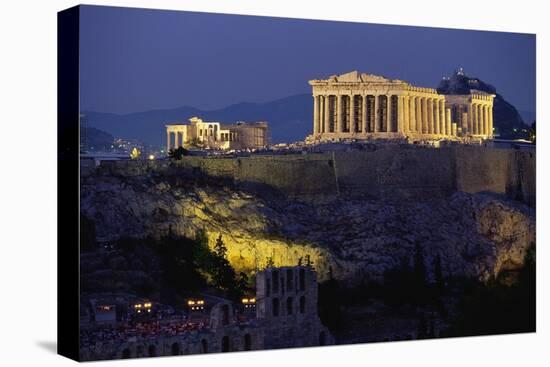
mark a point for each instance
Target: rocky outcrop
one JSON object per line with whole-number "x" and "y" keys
{"x": 474, "y": 235}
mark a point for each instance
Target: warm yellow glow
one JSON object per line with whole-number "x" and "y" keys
{"x": 147, "y": 305}
{"x": 151, "y": 157}
{"x": 253, "y": 300}
{"x": 245, "y": 300}
{"x": 138, "y": 305}
{"x": 200, "y": 302}
{"x": 190, "y": 302}
{"x": 135, "y": 153}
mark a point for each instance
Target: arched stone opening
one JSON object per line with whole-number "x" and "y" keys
{"x": 289, "y": 306}
{"x": 204, "y": 346}
{"x": 275, "y": 281}
{"x": 302, "y": 304}
{"x": 152, "y": 350}
{"x": 289, "y": 280}
{"x": 275, "y": 307}
{"x": 302, "y": 280}
{"x": 225, "y": 314}
{"x": 247, "y": 342}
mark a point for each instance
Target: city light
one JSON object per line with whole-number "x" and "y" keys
{"x": 151, "y": 157}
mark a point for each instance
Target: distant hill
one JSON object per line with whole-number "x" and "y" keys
{"x": 505, "y": 116}
{"x": 289, "y": 119}
{"x": 528, "y": 116}
{"x": 96, "y": 139}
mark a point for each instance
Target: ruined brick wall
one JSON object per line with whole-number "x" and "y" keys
{"x": 286, "y": 303}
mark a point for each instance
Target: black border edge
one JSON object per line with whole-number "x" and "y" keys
{"x": 68, "y": 212}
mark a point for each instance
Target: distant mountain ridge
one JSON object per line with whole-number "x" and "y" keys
{"x": 289, "y": 119}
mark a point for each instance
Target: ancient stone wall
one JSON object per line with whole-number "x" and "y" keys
{"x": 393, "y": 173}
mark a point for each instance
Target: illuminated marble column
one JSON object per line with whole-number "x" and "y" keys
{"x": 327, "y": 113}
{"x": 351, "y": 114}
{"x": 475, "y": 130}
{"x": 486, "y": 120}
{"x": 418, "y": 108}
{"x": 316, "y": 115}
{"x": 430, "y": 104}
{"x": 490, "y": 121}
{"x": 406, "y": 114}
{"x": 436, "y": 117}
{"x": 400, "y": 114}
{"x": 470, "y": 119}
{"x": 444, "y": 129}
{"x": 412, "y": 114}
{"x": 168, "y": 141}
{"x": 424, "y": 115}
{"x": 339, "y": 128}
{"x": 321, "y": 115}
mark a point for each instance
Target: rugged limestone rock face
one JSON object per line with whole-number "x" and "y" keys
{"x": 473, "y": 235}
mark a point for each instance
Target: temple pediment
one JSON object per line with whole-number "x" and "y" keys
{"x": 356, "y": 77}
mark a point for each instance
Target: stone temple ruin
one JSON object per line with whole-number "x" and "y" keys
{"x": 365, "y": 106}
{"x": 286, "y": 317}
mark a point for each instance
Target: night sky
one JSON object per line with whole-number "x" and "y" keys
{"x": 136, "y": 59}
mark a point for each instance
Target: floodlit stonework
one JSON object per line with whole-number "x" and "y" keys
{"x": 215, "y": 135}
{"x": 365, "y": 106}
{"x": 286, "y": 317}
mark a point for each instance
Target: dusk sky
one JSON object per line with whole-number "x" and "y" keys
{"x": 135, "y": 59}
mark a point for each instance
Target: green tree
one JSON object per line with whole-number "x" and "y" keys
{"x": 223, "y": 274}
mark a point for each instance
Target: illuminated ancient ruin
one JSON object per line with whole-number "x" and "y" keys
{"x": 362, "y": 106}
{"x": 286, "y": 316}
{"x": 215, "y": 135}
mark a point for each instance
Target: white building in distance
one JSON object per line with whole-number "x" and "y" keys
{"x": 215, "y": 135}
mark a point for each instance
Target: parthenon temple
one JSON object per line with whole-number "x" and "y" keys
{"x": 362, "y": 106}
